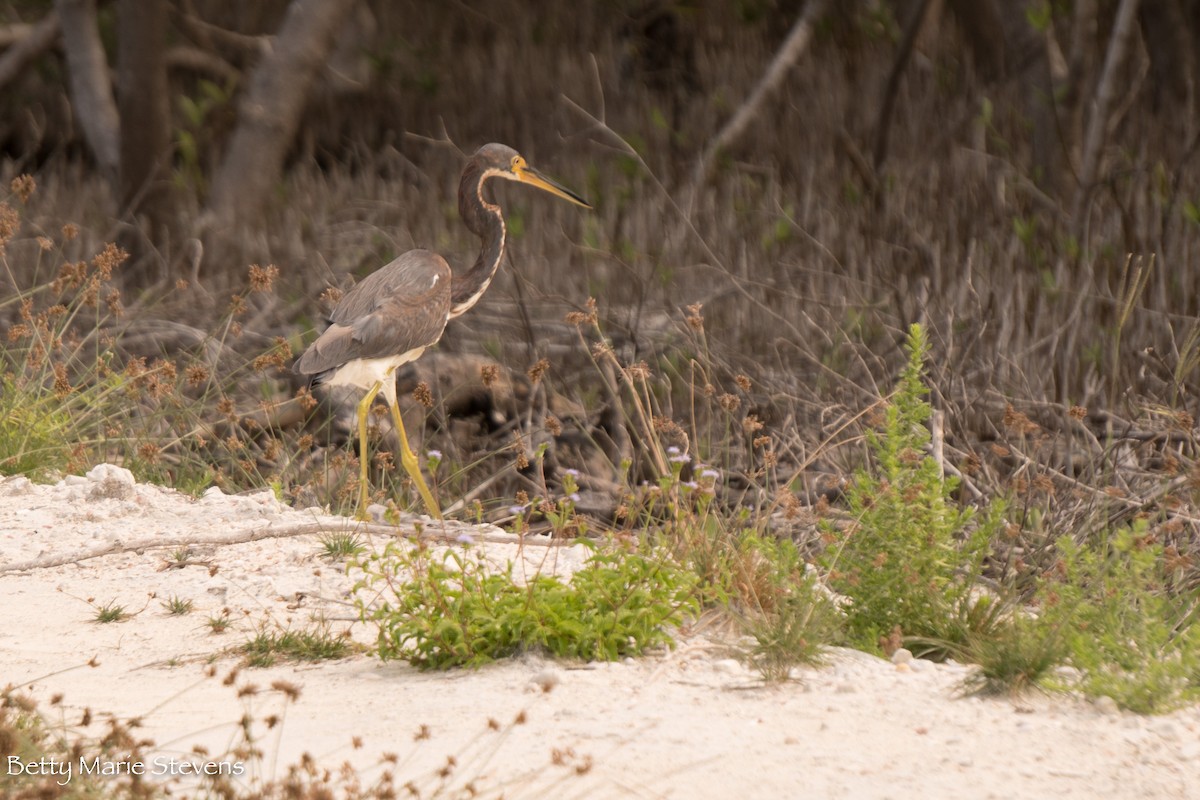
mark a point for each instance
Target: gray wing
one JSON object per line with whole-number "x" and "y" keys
{"x": 395, "y": 309}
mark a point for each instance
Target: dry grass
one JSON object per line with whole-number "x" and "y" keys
{"x": 806, "y": 278}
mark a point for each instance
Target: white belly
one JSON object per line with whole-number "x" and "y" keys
{"x": 366, "y": 372}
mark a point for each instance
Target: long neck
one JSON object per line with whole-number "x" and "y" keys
{"x": 485, "y": 221}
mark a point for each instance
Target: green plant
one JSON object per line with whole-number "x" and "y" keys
{"x": 910, "y": 556}
{"x": 1131, "y": 631}
{"x": 315, "y": 643}
{"x": 219, "y": 623}
{"x": 340, "y": 545}
{"x": 449, "y": 609}
{"x": 177, "y": 606}
{"x": 111, "y": 612}
{"x": 1015, "y": 653}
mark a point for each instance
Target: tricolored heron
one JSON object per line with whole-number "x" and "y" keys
{"x": 396, "y": 312}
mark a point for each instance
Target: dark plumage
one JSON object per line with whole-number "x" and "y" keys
{"x": 390, "y": 317}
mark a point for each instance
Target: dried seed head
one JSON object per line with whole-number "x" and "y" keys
{"x": 538, "y": 370}
{"x": 196, "y": 374}
{"x": 639, "y": 371}
{"x": 113, "y": 301}
{"x": 262, "y": 279}
{"x": 1077, "y": 412}
{"x": 489, "y": 374}
{"x": 522, "y": 456}
{"x": 22, "y": 186}
{"x": 729, "y": 402}
{"x": 331, "y": 296}
{"x": 422, "y": 394}
{"x": 108, "y": 259}
{"x": 588, "y": 317}
{"x": 743, "y": 382}
{"x": 10, "y": 223}
{"x": 149, "y": 452}
{"x": 695, "y": 319}
{"x": 70, "y": 231}
{"x": 1017, "y": 422}
{"x": 62, "y": 386}
{"x": 553, "y": 426}
{"x": 305, "y": 396}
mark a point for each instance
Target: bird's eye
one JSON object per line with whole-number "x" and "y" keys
{"x": 518, "y": 162}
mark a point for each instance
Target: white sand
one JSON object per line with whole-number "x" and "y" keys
{"x": 689, "y": 723}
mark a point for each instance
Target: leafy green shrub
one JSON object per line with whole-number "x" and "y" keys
{"x": 910, "y": 556}
{"x": 1132, "y": 633}
{"x": 455, "y": 609}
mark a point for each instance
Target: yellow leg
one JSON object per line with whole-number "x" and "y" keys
{"x": 363, "y": 408}
{"x": 409, "y": 460}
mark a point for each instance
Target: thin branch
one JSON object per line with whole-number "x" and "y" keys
{"x": 1106, "y": 93}
{"x": 447, "y": 532}
{"x": 793, "y": 47}
{"x": 40, "y": 38}
{"x": 883, "y": 125}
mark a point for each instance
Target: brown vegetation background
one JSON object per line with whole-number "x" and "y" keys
{"x": 1020, "y": 177}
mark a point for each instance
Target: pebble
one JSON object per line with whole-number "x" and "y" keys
{"x": 103, "y": 473}
{"x": 1106, "y": 705}
{"x": 902, "y": 656}
{"x": 1167, "y": 729}
{"x": 729, "y": 666}
{"x": 18, "y": 484}
{"x": 546, "y": 680}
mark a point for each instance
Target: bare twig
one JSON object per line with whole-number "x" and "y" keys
{"x": 884, "y": 124}
{"x": 793, "y": 47}
{"x": 202, "y": 61}
{"x": 1097, "y": 131}
{"x": 39, "y": 39}
{"x": 448, "y": 531}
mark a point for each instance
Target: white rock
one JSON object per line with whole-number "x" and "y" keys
{"x": 1167, "y": 729}
{"x": 18, "y": 484}
{"x": 212, "y": 493}
{"x": 1106, "y": 705}
{"x": 728, "y": 666}
{"x": 103, "y": 473}
{"x": 75, "y": 480}
{"x": 902, "y": 656}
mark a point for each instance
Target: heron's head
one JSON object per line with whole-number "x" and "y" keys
{"x": 502, "y": 161}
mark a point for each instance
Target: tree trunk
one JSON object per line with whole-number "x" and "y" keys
{"x": 91, "y": 89}
{"x": 144, "y": 101}
{"x": 269, "y": 111}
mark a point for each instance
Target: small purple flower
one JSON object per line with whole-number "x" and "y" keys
{"x": 465, "y": 538}
{"x": 678, "y": 458}
{"x": 691, "y": 484}
{"x": 573, "y": 497}
{"x": 574, "y": 473}
{"x": 673, "y": 450}
{"x": 434, "y": 454}
{"x": 517, "y": 509}
{"x": 710, "y": 473}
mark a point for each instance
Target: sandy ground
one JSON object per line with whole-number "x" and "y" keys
{"x": 689, "y": 723}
